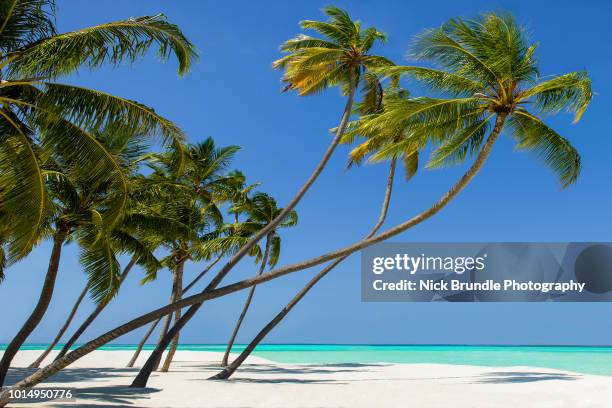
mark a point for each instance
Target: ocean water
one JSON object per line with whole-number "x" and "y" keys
{"x": 586, "y": 360}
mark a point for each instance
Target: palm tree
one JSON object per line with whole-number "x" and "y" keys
{"x": 191, "y": 198}
{"x": 262, "y": 209}
{"x": 311, "y": 65}
{"x": 38, "y": 113}
{"x": 236, "y": 191}
{"x": 137, "y": 234}
{"x": 77, "y": 211}
{"x": 369, "y": 147}
{"x": 453, "y": 47}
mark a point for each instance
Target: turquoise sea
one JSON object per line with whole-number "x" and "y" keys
{"x": 586, "y": 360}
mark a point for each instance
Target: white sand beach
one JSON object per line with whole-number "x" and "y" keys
{"x": 100, "y": 379}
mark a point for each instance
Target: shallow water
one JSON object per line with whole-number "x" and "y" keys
{"x": 586, "y": 360}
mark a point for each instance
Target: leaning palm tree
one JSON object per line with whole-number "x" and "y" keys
{"x": 236, "y": 191}
{"x": 312, "y": 64}
{"x": 139, "y": 234}
{"x": 134, "y": 235}
{"x": 469, "y": 52}
{"x": 144, "y": 257}
{"x": 262, "y": 209}
{"x": 191, "y": 198}
{"x": 77, "y": 211}
{"x": 40, "y": 113}
{"x": 368, "y": 147}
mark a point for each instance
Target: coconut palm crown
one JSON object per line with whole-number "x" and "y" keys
{"x": 379, "y": 139}
{"x": 487, "y": 70}
{"x": 313, "y": 64}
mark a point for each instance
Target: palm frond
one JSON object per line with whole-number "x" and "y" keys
{"x": 113, "y": 43}
{"x": 24, "y": 22}
{"x": 570, "y": 91}
{"x": 556, "y": 152}
{"x": 437, "y": 80}
{"x": 90, "y": 158}
{"x": 411, "y": 164}
{"x": 22, "y": 188}
{"x": 275, "y": 250}
{"x": 99, "y": 262}
{"x": 127, "y": 243}
{"x": 91, "y": 109}
{"x": 457, "y": 147}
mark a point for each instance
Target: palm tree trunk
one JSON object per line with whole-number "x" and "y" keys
{"x": 155, "y": 323}
{"x": 230, "y": 369}
{"x": 167, "y": 320}
{"x": 208, "y": 294}
{"x": 142, "y": 377}
{"x": 178, "y": 290}
{"x": 90, "y": 319}
{"x": 61, "y": 331}
{"x": 142, "y": 343}
{"x": 245, "y": 308}
{"x": 41, "y": 306}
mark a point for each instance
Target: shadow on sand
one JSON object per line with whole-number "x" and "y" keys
{"x": 272, "y": 368}
{"x": 513, "y": 377}
{"x": 123, "y": 395}
{"x": 119, "y": 396}
{"x": 69, "y": 375}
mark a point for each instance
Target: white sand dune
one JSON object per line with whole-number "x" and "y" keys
{"x": 100, "y": 379}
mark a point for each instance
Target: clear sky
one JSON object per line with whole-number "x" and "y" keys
{"x": 234, "y": 96}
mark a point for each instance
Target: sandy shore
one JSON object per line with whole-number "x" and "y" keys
{"x": 100, "y": 379}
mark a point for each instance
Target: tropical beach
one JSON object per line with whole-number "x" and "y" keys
{"x": 230, "y": 205}
{"x": 95, "y": 381}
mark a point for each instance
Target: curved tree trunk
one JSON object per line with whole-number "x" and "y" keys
{"x": 155, "y": 323}
{"x": 230, "y": 369}
{"x": 167, "y": 319}
{"x": 41, "y": 306}
{"x": 145, "y": 372}
{"x": 210, "y": 293}
{"x": 245, "y": 308}
{"x": 61, "y": 331}
{"x": 89, "y": 320}
{"x": 142, "y": 343}
{"x": 178, "y": 290}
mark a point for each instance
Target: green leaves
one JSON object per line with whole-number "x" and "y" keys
{"x": 556, "y": 151}
{"x": 571, "y": 91}
{"x": 97, "y": 257}
{"x": 490, "y": 49}
{"x": 463, "y": 143}
{"x": 91, "y": 109}
{"x": 110, "y": 43}
{"x": 23, "y": 22}
{"x": 486, "y": 69}
{"x": 90, "y": 160}
{"x": 42, "y": 122}
{"x": 437, "y": 80}
{"x": 22, "y": 190}
{"x": 314, "y": 64}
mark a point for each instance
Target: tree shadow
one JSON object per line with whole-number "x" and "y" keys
{"x": 275, "y": 381}
{"x": 297, "y": 369}
{"x": 70, "y": 375}
{"x": 513, "y": 377}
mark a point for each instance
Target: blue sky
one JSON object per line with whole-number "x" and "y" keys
{"x": 234, "y": 96}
